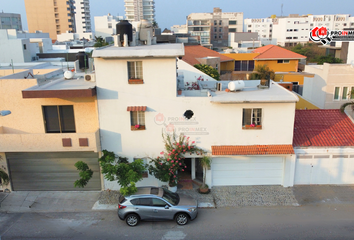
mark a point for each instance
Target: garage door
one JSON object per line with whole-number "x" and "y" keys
{"x": 51, "y": 171}
{"x": 324, "y": 169}
{"x": 247, "y": 171}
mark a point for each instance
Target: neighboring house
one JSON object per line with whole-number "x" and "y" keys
{"x": 201, "y": 55}
{"x": 283, "y": 62}
{"x": 244, "y": 40}
{"x": 19, "y": 47}
{"x": 324, "y": 147}
{"x": 341, "y": 50}
{"x": 10, "y": 21}
{"x": 52, "y": 125}
{"x": 214, "y": 28}
{"x": 82, "y": 16}
{"x": 330, "y": 86}
{"x": 137, "y": 85}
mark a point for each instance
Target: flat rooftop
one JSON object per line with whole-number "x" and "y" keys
{"x": 157, "y": 50}
{"x": 252, "y": 94}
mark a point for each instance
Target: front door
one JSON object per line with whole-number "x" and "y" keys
{"x": 198, "y": 170}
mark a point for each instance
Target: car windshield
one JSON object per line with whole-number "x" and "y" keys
{"x": 171, "y": 197}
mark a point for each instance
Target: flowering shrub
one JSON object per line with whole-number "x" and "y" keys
{"x": 137, "y": 126}
{"x": 166, "y": 167}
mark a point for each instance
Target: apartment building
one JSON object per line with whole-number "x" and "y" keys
{"x": 53, "y": 17}
{"x": 105, "y": 26}
{"x": 10, "y": 21}
{"x": 294, "y": 29}
{"x": 213, "y": 28}
{"x": 136, "y": 10}
{"x": 82, "y": 16}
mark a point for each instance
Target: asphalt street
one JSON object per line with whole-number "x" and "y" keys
{"x": 321, "y": 221}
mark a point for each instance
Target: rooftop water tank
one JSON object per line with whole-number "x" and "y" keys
{"x": 83, "y": 60}
{"x": 124, "y": 27}
{"x": 143, "y": 27}
{"x": 236, "y": 85}
{"x": 68, "y": 75}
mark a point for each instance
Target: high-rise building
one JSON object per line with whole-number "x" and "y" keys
{"x": 136, "y": 10}
{"x": 214, "y": 28}
{"x": 10, "y": 21}
{"x": 82, "y": 16}
{"x": 51, "y": 16}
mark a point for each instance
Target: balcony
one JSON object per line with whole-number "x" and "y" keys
{"x": 12, "y": 140}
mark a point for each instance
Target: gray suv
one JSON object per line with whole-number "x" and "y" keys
{"x": 156, "y": 204}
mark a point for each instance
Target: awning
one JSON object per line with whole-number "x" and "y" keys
{"x": 136, "y": 108}
{"x": 253, "y": 150}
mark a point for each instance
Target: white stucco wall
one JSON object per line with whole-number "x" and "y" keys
{"x": 212, "y": 124}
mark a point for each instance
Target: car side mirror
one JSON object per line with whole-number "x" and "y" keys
{"x": 167, "y": 207}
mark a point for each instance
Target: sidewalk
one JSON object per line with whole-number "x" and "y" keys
{"x": 231, "y": 196}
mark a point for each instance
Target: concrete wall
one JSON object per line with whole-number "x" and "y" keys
{"x": 212, "y": 124}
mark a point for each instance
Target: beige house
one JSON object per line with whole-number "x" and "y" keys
{"x": 331, "y": 85}
{"x": 52, "y": 125}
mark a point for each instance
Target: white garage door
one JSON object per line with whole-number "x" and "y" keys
{"x": 247, "y": 171}
{"x": 324, "y": 169}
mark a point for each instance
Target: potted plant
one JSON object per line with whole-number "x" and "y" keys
{"x": 205, "y": 163}
{"x": 179, "y": 91}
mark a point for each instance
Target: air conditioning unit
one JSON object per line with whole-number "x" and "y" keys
{"x": 90, "y": 77}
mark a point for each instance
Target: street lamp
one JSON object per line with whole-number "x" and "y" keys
{"x": 4, "y": 112}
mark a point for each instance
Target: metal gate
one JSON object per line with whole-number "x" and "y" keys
{"x": 51, "y": 171}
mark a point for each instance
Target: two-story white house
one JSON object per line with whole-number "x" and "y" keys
{"x": 138, "y": 85}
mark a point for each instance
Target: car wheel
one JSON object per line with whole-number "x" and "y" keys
{"x": 132, "y": 220}
{"x": 181, "y": 219}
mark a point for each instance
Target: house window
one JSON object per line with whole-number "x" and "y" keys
{"x": 145, "y": 173}
{"x": 232, "y": 22}
{"x": 345, "y": 93}
{"x": 135, "y": 71}
{"x": 352, "y": 93}
{"x": 24, "y": 47}
{"x": 220, "y": 22}
{"x": 59, "y": 119}
{"x": 137, "y": 120}
{"x": 252, "y": 118}
{"x": 244, "y": 65}
{"x": 336, "y": 93}
{"x": 232, "y": 29}
{"x": 283, "y": 61}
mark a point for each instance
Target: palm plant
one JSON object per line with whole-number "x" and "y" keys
{"x": 351, "y": 103}
{"x": 4, "y": 176}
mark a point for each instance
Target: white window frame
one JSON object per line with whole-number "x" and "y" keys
{"x": 138, "y": 73}
{"x": 139, "y": 119}
{"x": 334, "y": 94}
{"x": 254, "y": 116}
{"x": 346, "y": 95}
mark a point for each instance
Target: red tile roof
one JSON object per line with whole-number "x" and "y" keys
{"x": 197, "y": 51}
{"x": 252, "y": 150}
{"x": 137, "y": 108}
{"x": 276, "y": 52}
{"x": 322, "y": 128}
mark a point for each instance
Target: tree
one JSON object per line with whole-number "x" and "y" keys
{"x": 208, "y": 70}
{"x": 262, "y": 72}
{"x": 119, "y": 169}
{"x": 4, "y": 176}
{"x": 100, "y": 42}
{"x": 85, "y": 174}
{"x": 351, "y": 103}
{"x": 327, "y": 59}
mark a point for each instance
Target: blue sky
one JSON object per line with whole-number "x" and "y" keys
{"x": 173, "y": 12}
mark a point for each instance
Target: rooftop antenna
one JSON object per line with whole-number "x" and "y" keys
{"x": 281, "y": 14}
